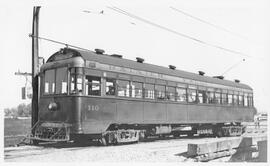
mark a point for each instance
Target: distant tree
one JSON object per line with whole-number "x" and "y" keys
{"x": 24, "y": 110}
{"x": 7, "y": 112}
{"x": 11, "y": 112}
{"x": 20, "y": 110}
{"x": 29, "y": 109}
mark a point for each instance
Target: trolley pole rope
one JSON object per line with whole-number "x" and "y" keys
{"x": 58, "y": 42}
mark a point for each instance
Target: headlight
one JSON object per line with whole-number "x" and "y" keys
{"x": 53, "y": 106}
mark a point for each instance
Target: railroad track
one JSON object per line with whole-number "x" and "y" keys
{"x": 161, "y": 149}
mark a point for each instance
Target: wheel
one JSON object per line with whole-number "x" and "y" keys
{"x": 176, "y": 135}
{"x": 190, "y": 134}
{"x": 103, "y": 141}
{"x": 227, "y": 133}
{"x": 80, "y": 140}
{"x": 142, "y": 136}
{"x": 35, "y": 142}
{"x": 243, "y": 129}
{"x": 219, "y": 133}
{"x": 161, "y": 136}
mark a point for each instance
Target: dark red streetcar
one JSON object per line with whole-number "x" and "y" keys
{"x": 91, "y": 95}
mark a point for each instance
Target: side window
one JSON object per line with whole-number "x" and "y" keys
{"x": 136, "y": 89}
{"x": 49, "y": 82}
{"x": 76, "y": 80}
{"x": 160, "y": 92}
{"x": 79, "y": 83}
{"x": 181, "y": 94}
{"x": 149, "y": 91}
{"x": 92, "y": 85}
{"x": 245, "y": 100}
{"x": 235, "y": 99}
{"x": 224, "y": 98}
{"x": 192, "y": 95}
{"x": 123, "y": 88}
{"x": 250, "y": 100}
{"x": 72, "y": 83}
{"x": 217, "y": 98}
{"x": 230, "y": 99}
{"x": 211, "y": 97}
{"x": 171, "y": 93}
{"x": 240, "y": 100}
{"x": 200, "y": 95}
{"x": 110, "y": 86}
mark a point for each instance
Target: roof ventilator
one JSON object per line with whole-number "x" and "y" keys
{"x": 219, "y": 77}
{"x": 117, "y": 56}
{"x": 140, "y": 60}
{"x": 201, "y": 73}
{"x": 172, "y": 67}
{"x": 99, "y": 51}
{"x": 237, "y": 81}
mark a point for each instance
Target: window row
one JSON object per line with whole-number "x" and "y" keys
{"x": 133, "y": 89}
{"x": 56, "y": 82}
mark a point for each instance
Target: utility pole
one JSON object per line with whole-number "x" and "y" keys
{"x": 35, "y": 63}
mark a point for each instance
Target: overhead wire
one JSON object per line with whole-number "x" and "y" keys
{"x": 233, "y": 66}
{"x": 121, "y": 11}
{"x": 208, "y": 23}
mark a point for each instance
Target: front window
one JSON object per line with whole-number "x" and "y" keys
{"x": 61, "y": 80}
{"x": 49, "y": 82}
{"x": 55, "y": 81}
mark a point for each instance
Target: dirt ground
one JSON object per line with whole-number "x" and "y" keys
{"x": 158, "y": 151}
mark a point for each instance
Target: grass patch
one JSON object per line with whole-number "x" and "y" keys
{"x": 14, "y": 130}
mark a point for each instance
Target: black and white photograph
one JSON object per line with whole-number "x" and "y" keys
{"x": 134, "y": 82}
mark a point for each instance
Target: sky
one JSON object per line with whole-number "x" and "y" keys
{"x": 246, "y": 20}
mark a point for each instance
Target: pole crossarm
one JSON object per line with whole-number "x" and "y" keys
{"x": 23, "y": 74}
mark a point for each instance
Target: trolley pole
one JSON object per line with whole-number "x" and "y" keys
{"x": 35, "y": 62}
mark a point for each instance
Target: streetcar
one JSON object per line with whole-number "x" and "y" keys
{"x": 90, "y": 95}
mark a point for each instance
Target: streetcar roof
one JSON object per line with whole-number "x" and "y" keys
{"x": 108, "y": 59}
